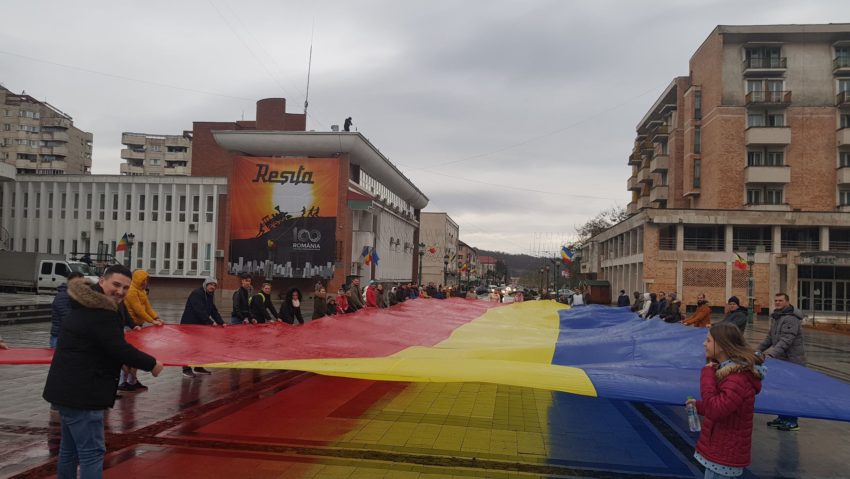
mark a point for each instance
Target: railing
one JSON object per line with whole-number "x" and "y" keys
{"x": 800, "y": 245}
{"x": 769, "y": 96}
{"x": 667, "y": 244}
{"x": 752, "y": 245}
{"x": 839, "y": 245}
{"x": 703, "y": 244}
{"x": 765, "y": 63}
{"x": 841, "y": 62}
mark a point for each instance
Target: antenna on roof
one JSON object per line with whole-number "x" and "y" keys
{"x": 309, "y": 67}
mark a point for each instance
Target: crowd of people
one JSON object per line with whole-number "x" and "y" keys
{"x": 93, "y": 361}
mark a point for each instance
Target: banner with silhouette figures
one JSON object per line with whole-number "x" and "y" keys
{"x": 283, "y": 216}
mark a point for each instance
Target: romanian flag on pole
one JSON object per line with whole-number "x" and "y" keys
{"x": 740, "y": 263}
{"x": 122, "y": 244}
{"x": 367, "y": 257}
{"x": 566, "y": 255}
{"x": 373, "y": 255}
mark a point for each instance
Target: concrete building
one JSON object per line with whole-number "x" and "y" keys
{"x": 750, "y": 153}
{"x": 156, "y": 155}
{"x": 173, "y": 220}
{"x": 38, "y": 138}
{"x": 439, "y": 233}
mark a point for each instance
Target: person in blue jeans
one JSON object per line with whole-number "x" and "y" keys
{"x": 83, "y": 376}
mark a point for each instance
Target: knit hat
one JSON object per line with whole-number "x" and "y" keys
{"x": 734, "y": 299}
{"x": 210, "y": 280}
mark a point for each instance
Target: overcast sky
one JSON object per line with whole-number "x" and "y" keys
{"x": 515, "y": 117}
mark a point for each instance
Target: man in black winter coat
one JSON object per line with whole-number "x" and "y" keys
{"x": 241, "y": 305}
{"x": 262, "y": 309}
{"x": 623, "y": 299}
{"x": 60, "y": 309}
{"x": 83, "y": 376}
{"x": 200, "y": 309}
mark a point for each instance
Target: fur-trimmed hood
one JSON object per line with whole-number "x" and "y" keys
{"x": 757, "y": 372}
{"x": 87, "y": 296}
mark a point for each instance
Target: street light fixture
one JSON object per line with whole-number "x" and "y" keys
{"x": 421, "y": 257}
{"x": 445, "y": 267}
{"x": 547, "y": 279}
{"x": 130, "y": 238}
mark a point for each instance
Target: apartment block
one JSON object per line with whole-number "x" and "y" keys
{"x": 438, "y": 233}
{"x": 156, "y": 155}
{"x": 747, "y": 155}
{"x": 38, "y": 138}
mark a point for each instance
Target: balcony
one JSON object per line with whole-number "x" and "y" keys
{"x": 54, "y": 150}
{"x": 842, "y": 137}
{"x": 658, "y": 194}
{"x": 127, "y": 169}
{"x": 643, "y": 176}
{"x": 662, "y": 131}
{"x": 634, "y": 159}
{"x": 767, "y": 97}
{"x": 767, "y": 174}
{"x": 843, "y": 176}
{"x": 841, "y": 65}
{"x": 129, "y": 154}
{"x": 56, "y": 122}
{"x": 659, "y": 163}
{"x": 767, "y": 207}
{"x": 755, "y": 66}
{"x": 643, "y": 202}
{"x": 633, "y": 184}
{"x": 632, "y": 208}
{"x": 176, "y": 170}
{"x": 842, "y": 100}
{"x": 768, "y": 135}
{"x": 55, "y": 136}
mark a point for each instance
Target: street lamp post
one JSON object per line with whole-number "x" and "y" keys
{"x": 541, "y": 282}
{"x": 751, "y": 260}
{"x": 421, "y": 257}
{"x": 445, "y": 268}
{"x": 547, "y": 279}
{"x": 130, "y": 238}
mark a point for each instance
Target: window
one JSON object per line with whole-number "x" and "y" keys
{"x": 182, "y": 209}
{"x": 844, "y": 120}
{"x": 196, "y": 206}
{"x": 140, "y": 254}
{"x": 166, "y": 257}
{"x": 210, "y": 204}
{"x": 843, "y": 85}
{"x": 74, "y": 246}
{"x": 844, "y": 198}
{"x": 152, "y": 256}
{"x": 62, "y": 269}
{"x": 207, "y": 257}
{"x": 844, "y": 159}
{"x": 61, "y": 246}
{"x": 763, "y": 57}
{"x": 842, "y": 57}
{"x": 88, "y": 201}
{"x": 47, "y": 267}
{"x": 765, "y": 195}
{"x": 697, "y": 140}
{"x": 754, "y": 196}
{"x": 773, "y": 196}
{"x": 167, "y": 207}
{"x": 181, "y": 253}
{"x": 697, "y": 105}
{"x": 775, "y": 158}
{"x": 697, "y": 173}
{"x": 141, "y": 209}
{"x": 193, "y": 264}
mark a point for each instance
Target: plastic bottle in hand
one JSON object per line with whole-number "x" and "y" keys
{"x": 693, "y": 417}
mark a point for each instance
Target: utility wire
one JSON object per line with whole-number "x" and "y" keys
{"x": 121, "y": 77}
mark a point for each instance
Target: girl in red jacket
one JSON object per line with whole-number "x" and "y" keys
{"x": 728, "y": 387}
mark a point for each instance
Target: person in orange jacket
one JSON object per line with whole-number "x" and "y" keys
{"x": 140, "y": 311}
{"x": 138, "y": 304}
{"x": 702, "y": 316}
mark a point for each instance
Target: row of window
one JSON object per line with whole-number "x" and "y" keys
{"x": 713, "y": 238}
{"x": 141, "y": 204}
{"x": 143, "y": 255}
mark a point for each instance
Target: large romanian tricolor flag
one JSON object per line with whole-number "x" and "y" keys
{"x": 588, "y": 350}
{"x": 122, "y": 244}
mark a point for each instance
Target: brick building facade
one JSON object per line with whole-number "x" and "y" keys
{"x": 750, "y": 155}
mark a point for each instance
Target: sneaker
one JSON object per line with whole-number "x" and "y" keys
{"x": 125, "y": 387}
{"x": 789, "y": 427}
{"x": 202, "y": 371}
{"x": 138, "y": 385}
{"x": 776, "y": 423}
{"x": 187, "y": 373}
